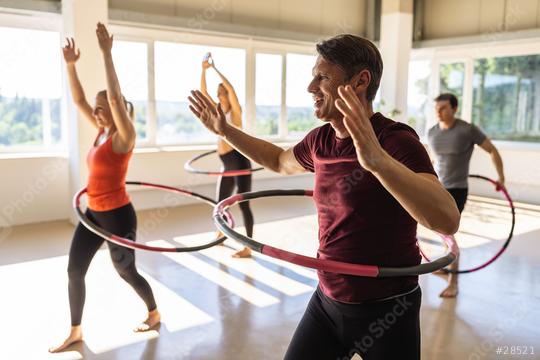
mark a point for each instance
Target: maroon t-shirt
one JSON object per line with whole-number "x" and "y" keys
{"x": 359, "y": 220}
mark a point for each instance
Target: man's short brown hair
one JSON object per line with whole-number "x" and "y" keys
{"x": 353, "y": 54}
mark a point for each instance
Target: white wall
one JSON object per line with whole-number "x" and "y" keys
{"x": 395, "y": 46}
{"x": 37, "y": 189}
{"x": 168, "y": 168}
{"x": 522, "y": 171}
{"x": 33, "y": 190}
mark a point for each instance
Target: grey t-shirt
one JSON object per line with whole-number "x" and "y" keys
{"x": 453, "y": 149}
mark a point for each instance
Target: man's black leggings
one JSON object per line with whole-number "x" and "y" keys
{"x": 233, "y": 160}
{"x": 382, "y": 330}
{"x": 85, "y": 244}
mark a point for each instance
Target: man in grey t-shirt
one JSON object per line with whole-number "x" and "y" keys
{"x": 452, "y": 141}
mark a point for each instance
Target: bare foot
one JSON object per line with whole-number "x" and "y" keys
{"x": 450, "y": 292}
{"x": 74, "y": 336}
{"x": 244, "y": 253}
{"x": 153, "y": 319}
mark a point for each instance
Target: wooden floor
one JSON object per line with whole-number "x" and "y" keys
{"x": 216, "y": 307}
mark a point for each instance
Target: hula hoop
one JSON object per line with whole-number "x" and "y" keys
{"x": 189, "y": 168}
{"x": 322, "y": 264}
{"x": 118, "y": 240}
{"x": 510, "y": 234}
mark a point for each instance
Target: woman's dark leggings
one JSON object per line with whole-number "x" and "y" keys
{"x": 382, "y": 330}
{"x": 85, "y": 244}
{"x": 233, "y": 160}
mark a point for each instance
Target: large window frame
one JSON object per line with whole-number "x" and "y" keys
{"x": 143, "y": 33}
{"x": 252, "y": 46}
{"x": 468, "y": 53}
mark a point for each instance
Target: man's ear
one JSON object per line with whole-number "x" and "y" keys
{"x": 360, "y": 82}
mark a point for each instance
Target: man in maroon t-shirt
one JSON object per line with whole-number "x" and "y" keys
{"x": 373, "y": 183}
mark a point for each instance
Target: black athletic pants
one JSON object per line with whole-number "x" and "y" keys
{"x": 233, "y": 160}
{"x": 460, "y": 196}
{"x": 380, "y": 330}
{"x": 85, "y": 244}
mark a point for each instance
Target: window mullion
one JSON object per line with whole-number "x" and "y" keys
{"x": 151, "y": 117}
{"x": 283, "y": 130}
{"x": 250, "y": 118}
{"x": 466, "y": 112}
{"x": 46, "y": 122}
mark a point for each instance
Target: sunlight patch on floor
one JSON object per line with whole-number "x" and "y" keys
{"x": 248, "y": 267}
{"x": 246, "y": 291}
{"x": 112, "y": 309}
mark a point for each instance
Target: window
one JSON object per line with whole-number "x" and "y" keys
{"x": 418, "y": 99}
{"x": 131, "y": 64}
{"x": 271, "y": 99}
{"x": 452, "y": 76}
{"x": 30, "y": 90}
{"x": 177, "y": 72}
{"x": 300, "y": 116}
{"x": 506, "y": 97}
{"x": 267, "y": 93}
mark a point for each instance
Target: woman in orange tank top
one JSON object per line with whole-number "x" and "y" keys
{"x": 109, "y": 205}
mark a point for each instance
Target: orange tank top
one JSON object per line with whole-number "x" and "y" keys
{"x": 107, "y": 177}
